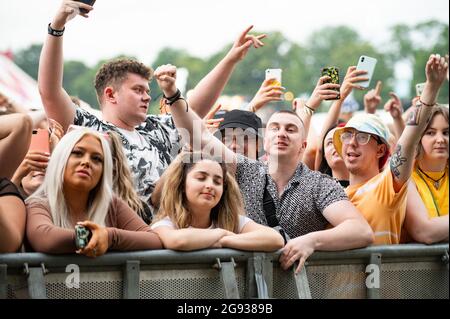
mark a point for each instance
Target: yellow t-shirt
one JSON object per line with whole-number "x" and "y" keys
{"x": 436, "y": 200}
{"x": 383, "y": 208}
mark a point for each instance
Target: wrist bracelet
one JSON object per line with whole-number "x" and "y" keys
{"x": 171, "y": 100}
{"x": 308, "y": 110}
{"x": 429, "y": 105}
{"x": 55, "y": 33}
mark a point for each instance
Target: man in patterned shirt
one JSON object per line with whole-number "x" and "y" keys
{"x": 305, "y": 201}
{"x": 150, "y": 142}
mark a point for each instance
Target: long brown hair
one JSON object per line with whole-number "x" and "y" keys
{"x": 174, "y": 202}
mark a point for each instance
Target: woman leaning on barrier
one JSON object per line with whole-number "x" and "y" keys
{"x": 426, "y": 219}
{"x": 202, "y": 208}
{"x": 77, "y": 190}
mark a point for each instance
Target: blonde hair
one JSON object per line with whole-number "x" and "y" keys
{"x": 122, "y": 181}
{"x": 52, "y": 189}
{"x": 174, "y": 202}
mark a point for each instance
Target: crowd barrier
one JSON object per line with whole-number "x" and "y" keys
{"x": 387, "y": 272}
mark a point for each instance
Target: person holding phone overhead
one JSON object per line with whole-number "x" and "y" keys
{"x": 381, "y": 195}
{"x": 77, "y": 190}
{"x": 31, "y": 172}
{"x": 150, "y": 142}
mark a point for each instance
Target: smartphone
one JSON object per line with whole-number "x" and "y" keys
{"x": 40, "y": 141}
{"x": 333, "y": 73}
{"x": 89, "y": 2}
{"x": 419, "y": 88}
{"x": 367, "y": 64}
{"x": 274, "y": 74}
{"x": 82, "y": 236}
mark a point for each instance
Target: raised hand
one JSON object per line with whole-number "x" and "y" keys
{"x": 394, "y": 106}
{"x": 33, "y": 161}
{"x": 266, "y": 93}
{"x": 243, "y": 43}
{"x": 57, "y": 132}
{"x": 69, "y": 10}
{"x": 373, "y": 98}
{"x": 351, "y": 79}
{"x": 166, "y": 76}
{"x": 98, "y": 244}
{"x": 211, "y": 123}
{"x": 323, "y": 91}
{"x": 436, "y": 70}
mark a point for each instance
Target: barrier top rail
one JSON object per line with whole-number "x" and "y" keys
{"x": 154, "y": 257}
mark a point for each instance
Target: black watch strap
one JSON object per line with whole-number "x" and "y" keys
{"x": 55, "y": 33}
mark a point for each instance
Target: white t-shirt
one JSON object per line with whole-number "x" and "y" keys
{"x": 243, "y": 220}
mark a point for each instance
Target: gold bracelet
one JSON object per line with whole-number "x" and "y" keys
{"x": 308, "y": 110}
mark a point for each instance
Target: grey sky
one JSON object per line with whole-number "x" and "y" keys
{"x": 141, "y": 28}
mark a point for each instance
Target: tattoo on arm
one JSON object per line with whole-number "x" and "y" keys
{"x": 397, "y": 161}
{"x": 414, "y": 116}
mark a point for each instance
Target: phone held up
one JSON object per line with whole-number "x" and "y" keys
{"x": 40, "y": 141}
{"x": 419, "y": 88}
{"x": 333, "y": 73}
{"x": 367, "y": 64}
{"x": 89, "y": 2}
{"x": 274, "y": 74}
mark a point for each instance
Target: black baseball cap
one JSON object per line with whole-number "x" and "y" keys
{"x": 242, "y": 119}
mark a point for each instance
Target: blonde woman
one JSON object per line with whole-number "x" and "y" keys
{"x": 201, "y": 207}
{"x": 77, "y": 189}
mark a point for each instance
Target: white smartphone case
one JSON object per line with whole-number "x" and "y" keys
{"x": 367, "y": 64}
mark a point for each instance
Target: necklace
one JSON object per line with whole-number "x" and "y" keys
{"x": 436, "y": 181}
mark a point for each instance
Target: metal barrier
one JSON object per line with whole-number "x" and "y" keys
{"x": 389, "y": 272}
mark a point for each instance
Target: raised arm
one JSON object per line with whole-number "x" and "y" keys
{"x": 266, "y": 93}
{"x": 191, "y": 127}
{"x": 395, "y": 108}
{"x": 211, "y": 86}
{"x": 402, "y": 160}
{"x": 322, "y": 91}
{"x": 352, "y": 77}
{"x": 15, "y": 137}
{"x": 373, "y": 98}
{"x": 56, "y": 101}
{"x": 254, "y": 237}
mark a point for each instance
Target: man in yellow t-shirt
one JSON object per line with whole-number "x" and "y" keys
{"x": 363, "y": 144}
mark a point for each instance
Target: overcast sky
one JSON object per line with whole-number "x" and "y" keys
{"x": 142, "y": 27}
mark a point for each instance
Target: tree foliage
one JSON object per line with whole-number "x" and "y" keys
{"x": 338, "y": 46}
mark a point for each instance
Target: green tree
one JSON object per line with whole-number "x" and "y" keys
{"x": 415, "y": 44}
{"x": 28, "y": 59}
{"x": 341, "y": 47}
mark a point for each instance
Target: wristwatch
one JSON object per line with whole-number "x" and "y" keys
{"x": 55, "y": 33}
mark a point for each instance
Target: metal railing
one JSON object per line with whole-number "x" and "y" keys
{"x": 398, "y": 271}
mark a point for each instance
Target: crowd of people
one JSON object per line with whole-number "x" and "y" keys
{"x": 189, "y": 179}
